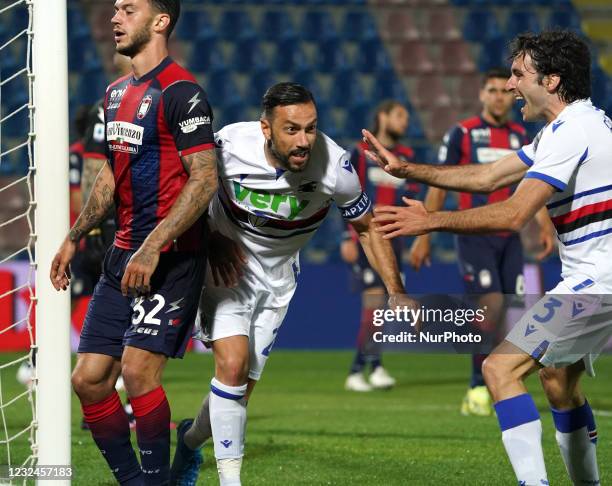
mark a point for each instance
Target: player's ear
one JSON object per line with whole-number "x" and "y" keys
{"x": 551, "y": 81}
{"x": 161, "y": 23}
{"x": 266, "y": 128}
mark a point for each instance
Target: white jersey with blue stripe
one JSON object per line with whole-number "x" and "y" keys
{"x": 573, "y": 153}
{"x": 273, "y": 212}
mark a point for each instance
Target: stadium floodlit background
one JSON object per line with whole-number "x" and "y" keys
{"x": 352, "y": 54}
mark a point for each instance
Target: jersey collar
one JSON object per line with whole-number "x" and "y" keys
{"x": 153, "y": 73}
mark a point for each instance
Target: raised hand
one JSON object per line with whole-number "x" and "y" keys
{"x": 384, "y": 158}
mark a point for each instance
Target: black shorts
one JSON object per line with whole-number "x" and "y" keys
{"x": 161, "y": 323}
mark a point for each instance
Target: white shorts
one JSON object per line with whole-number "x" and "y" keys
{"x": 572, "y": 322}
{"x": 255, "y": 308}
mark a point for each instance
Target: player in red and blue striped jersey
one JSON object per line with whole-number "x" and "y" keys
{"x": 491, "y": 265}
{"x": 390, "y": 124}
{"x": 160, "y": 176}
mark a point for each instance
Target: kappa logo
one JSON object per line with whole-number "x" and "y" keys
{"x": 226, "y": 443}
{"x": 346, "y": 165}
{"x": 557, "y": 124}
{"x": 577, "y": 308}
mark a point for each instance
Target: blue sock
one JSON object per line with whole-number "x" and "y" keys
{"x": 477, "y": 378}
{"x": 358, "y": 362}
{"x": 521, "y": 428}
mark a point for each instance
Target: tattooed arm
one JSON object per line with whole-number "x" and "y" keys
{"x": 97, "y": 207}
{"x": 91, "y": 168}
{"x": 188, "y": 207}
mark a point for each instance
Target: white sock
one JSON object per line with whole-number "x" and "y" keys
{"x": 524, "y": 448}
{"x": 521, "y": 428}
{"x": 228, "y": 423}
{"x": 577, "y": 438}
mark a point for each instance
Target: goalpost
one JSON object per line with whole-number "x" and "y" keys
{"x": 50, "y": 101}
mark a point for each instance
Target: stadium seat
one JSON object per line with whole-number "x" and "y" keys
{"x": 220, "y": 86}
{"x": 325, "y": 120}
{"x": 455, "y": 58}
{"x": 440, "y": 121}
{"x": 100, "y": 15}
{"x": 260, "y": 79}
{"x": 247, "y": 55}
{"x": 346, "y": 88}
{"x": 330, "y": 56}
{"x": 399, "y": 26}
{"x": 317, "y": 25}
{"x": 206, "y": 55}
{"x": 521, "y": 21}
{"x": 430, "y": 92}
{"x": 235, "y": 24}
{"x": 276, "y": 25}
{"x": 231, "y": 112}
{"x": 494, "y": 53}
{"x": 468, "y": 91}
{"x": 358, "y": 116}
{"x": 414, "y": 58}
{"x": 480, "y": 25}
{"x": 372, "y": 56}
{"x": 442, "y": 24}
{"x": 288, "y": 58}
{"x": 358, "y": 25}
{"x": 387, "y": 85}
{"x": 564, "y": 18}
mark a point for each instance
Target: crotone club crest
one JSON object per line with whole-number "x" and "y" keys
{"x": 144, "y": 107}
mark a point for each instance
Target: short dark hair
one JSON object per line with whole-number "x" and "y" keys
{"x": 558, "y": 52}
{"x": 495, "y": 73}
{"x": 384, "y": 107}
{"x": 170, "y": 7}
{"x": 284, "y": 94}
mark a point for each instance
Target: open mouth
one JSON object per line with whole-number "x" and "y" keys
{"x": 520, "y": 98}
{"x": 300, "y": 156}
{"x": 118, "y": 36}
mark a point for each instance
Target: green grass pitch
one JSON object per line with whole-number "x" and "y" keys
{"x": 304, "y": 429}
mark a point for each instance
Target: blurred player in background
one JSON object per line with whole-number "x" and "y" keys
{"x": 161, "y": 174}
{"x": 490, "y": 265}
{"x": 279, "y": 178}
{"x": 390, "y": 124}
{"x": 566, "y": 169}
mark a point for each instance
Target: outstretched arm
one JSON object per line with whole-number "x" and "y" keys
{"x": 188, "y": 207}
{"x": 483, "y": 178}
{"x": 379, "y": 253}
{"x": 511, "y": 214}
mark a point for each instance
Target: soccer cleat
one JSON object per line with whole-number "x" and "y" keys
{"x": 477, "y": 401}
{"x": 186, "y": 464}
{"x": 381, "y": 379}
{"x": 357, "y": 382}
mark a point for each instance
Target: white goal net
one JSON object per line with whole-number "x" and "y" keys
{"x": 17, "y": 266}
